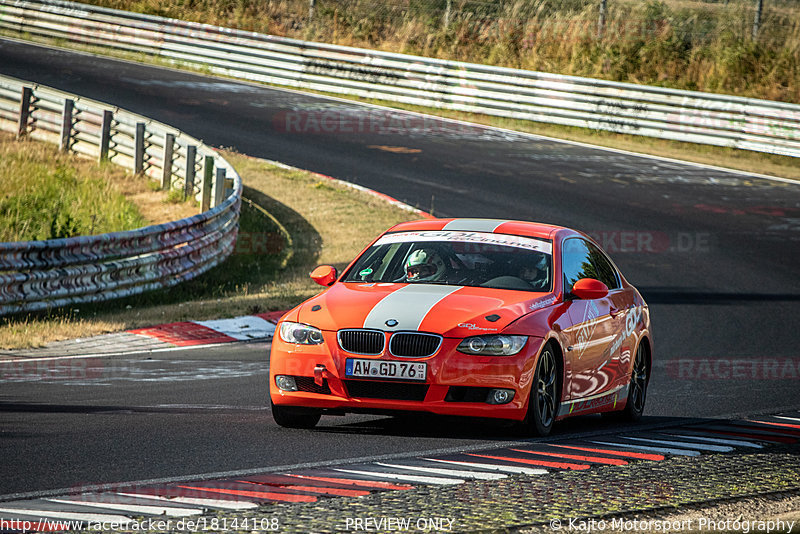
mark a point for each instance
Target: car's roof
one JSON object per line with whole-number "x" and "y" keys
{"x": 496, "y": 226}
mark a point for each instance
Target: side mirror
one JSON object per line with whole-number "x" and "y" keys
{"x": 589, "y": 288}
{"x": 324, "y": 275}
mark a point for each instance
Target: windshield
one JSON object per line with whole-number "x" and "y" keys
{"x": 457, "y": 258}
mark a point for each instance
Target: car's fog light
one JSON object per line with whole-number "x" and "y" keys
{"x": 500, "y": 396}
{"x": 285, "y": 383}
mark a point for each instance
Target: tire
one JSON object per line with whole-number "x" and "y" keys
{"x": 293, "y": 417}
{"x": 545, "y": 394}
{"x": 637, "y": 389}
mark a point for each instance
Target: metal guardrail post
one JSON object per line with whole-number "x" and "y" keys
{"x": 24, "y": 111}
{"x": 191, "y": 159}
{"x": 166, "y": 171}
{"x": 601, "y": 20}
{"x": 138, "y": 150}
{"x": 105, "y": 134}
{"x": 66, "y": 124}
{"x": 208, "y": 177}
{"x": 757, "y": 18}
{"x": 219, "y": 186}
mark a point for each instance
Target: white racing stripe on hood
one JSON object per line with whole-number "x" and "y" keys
{"x": 408, "y": 306}
{"x": 474, "y": 225}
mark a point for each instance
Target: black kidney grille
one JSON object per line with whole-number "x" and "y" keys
{"x": 414, "y": 345}
{"x": 362, "y": 341}
{"x": 307, "y": 384}
{"x": 386, "y": 390}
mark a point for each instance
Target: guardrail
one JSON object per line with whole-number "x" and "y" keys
{"x": 36, "y": 275}
{"x": 744, "y": 123}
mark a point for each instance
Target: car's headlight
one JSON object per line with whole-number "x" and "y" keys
{"x": 300, "y": 333}
{"x": 495, "y": 345}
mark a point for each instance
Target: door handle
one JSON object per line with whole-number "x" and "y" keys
{"x": 614, "y": 311}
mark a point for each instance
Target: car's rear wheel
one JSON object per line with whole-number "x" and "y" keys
{"x": 544, "y": 398}
{"x": 294, "y": 417}
{"x": 637, "y": 390}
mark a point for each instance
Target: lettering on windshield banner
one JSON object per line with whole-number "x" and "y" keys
{"x": 482, "y": 238}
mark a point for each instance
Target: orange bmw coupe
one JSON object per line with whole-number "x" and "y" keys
{"x": 511, "y": 320}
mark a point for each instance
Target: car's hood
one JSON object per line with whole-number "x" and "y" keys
{"x": 448, "y": 310}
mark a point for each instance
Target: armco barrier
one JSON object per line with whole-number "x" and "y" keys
{"x": 729, "y": 121}
{"x": 36, "y": 275}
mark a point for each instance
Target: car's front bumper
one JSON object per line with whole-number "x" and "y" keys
{"x": 455, "y": 383}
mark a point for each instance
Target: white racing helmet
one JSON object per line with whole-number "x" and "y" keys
{"x": 424, "y": 265}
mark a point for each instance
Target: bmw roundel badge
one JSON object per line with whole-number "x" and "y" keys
{"x": 391, "y": 322}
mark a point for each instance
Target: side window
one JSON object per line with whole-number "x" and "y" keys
{"x": 581, "y": 259}
{"x": 603, "y": 270}
{"x": 575, "y": 262}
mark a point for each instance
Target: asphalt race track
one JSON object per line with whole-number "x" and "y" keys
{"x": 715, "y": 254}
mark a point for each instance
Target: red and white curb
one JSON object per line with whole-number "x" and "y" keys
{"x": 165, "y": 337}
{"x": 190, "y": 333}
{"x": 248, "y": 490}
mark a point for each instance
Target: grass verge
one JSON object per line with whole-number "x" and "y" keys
{"x": 48, "y": 194}
{"x": 743, "y": 160}
{"x": 327, "y": 224}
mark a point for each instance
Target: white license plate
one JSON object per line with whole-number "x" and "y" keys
{"x": 358, "y": 368}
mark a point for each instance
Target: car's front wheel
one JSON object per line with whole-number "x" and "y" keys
{"x": 544, "y": 398}
{"x": 293, "y": 417}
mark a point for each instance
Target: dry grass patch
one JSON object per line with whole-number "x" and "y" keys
{"x": 326, "y": 223}
{"x": 34, "y": 332}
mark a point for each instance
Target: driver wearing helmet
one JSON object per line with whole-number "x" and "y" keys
{"x": 425, "y": 265}
{"x": 535, "y": 272}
